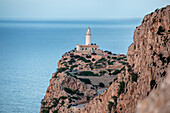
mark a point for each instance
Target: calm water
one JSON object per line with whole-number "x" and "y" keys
{"x": 29, "y": 52}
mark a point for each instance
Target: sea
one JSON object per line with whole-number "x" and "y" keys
{"x": 30, "y": 50}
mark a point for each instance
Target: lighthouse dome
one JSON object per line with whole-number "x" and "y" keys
{"x": 88, "y": 31}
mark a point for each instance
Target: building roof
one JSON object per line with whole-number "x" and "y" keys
{"x": 88, "y": 45}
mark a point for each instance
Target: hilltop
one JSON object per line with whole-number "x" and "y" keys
{"x": 80, "y": 77}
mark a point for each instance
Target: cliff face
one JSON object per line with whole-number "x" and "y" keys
{"x": 148, "y": 59}
{"x": 149, "y": 56}
{"x": 158, "y": 100}
{"x": 77, "y": 80}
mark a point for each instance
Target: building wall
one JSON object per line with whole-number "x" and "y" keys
{"x": 90, "y": 48}
{"x": 78, "y": 48}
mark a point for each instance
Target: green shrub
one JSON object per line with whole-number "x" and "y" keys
{"x": 120, "y": 58}
{"x": 71, "y": 61}
{"x": 114, "y": 58}
{"x": 88, "y": 56}
{"x": 168, "y": 60}
{"x": 85, "y": 80}
{"x": 56, "y": 99}
{"x": 148, "y": 93}
{"x": 65, "y": 59}
{"x": 73, "y": 97}
{"x": 56, "y": 111}
{"x": 110, "y": 105}
{"x": 63, "y": 97}
{"x": 134, "y": 46}
{"x": 134, "y": 77}
{"x": 101, "y": 84}
{"x": 86, "y": 73}
{"x": 43, "y": 103}
{"x": 98, "y": 66}
{"x": 160, "y": 30}
{"x": 102, "y": 73}
{"x": 75, "y": 56}
{"x": 68, "y": 90}
{"x": 84, "y": 60}
{"x": 115, "y": 79}
{"x": 110, "y": 63}
{"x": 152, "y": 84}
{"x": 163, "y": 74}
{"x": 96, "y": 74}
{"x": 63, "y": 62}
{"x": 62, "y": 103}
{"x": 55, "y": 76}
{"x": 108, "y": 52}
{"x": 163, "y": 59}
{"x": 73, "y": 66}
{"x": 80, "y": 94}
{"x": 71, "y": 75}
{"x": 90, "y": 64}
{"x": 115, "y": 99}
{"x": 154, "y": 64}
{"x": 110, "y": 83}
{"x": 121, "y": 88}
{"x": 60, "y": 70}
{"x": 69, "y": 106}
{"x": 108, "y": 57}
{"x": 102, "y": 60}
{"x": 93, "y": 59}
{"x": 88, "y": 98}
{"x": 116, "y": 72}
{"x": 124, "y": 63}
{"x": 45, "y": 111}
{"x": 55, "y": 102}
{"x": 94, "y": 54}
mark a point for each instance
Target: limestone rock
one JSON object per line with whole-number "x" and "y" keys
{"x": 158, "y": 101}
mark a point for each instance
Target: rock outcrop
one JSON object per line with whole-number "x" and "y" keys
{"x": 78, "y": 78}
{"x": 158, "y": 101}
{"x": 63, "y": 91}
{"x": 141, "y": 76}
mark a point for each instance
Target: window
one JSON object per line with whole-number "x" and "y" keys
{"x": 95, "y": 48}
{"x": 85, "y": 48}
{"x": 92, "y": 49}
{"x": 82, "y": 48}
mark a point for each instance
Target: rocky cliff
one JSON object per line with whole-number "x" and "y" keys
{"x": 145, "y": 70}
{"x": 79, "y": 77}
{"x": 158, "y": 100}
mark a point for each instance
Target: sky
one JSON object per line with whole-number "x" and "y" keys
{"x": 77, "y": 9}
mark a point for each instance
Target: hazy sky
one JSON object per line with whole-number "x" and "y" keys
{"x": 77, "y": 9}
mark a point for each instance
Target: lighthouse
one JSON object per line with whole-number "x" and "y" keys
{"x": 88, "y": 47}
{"x": 88, "y": 37}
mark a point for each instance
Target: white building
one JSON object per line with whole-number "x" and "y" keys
{"x": 88, "y": 47}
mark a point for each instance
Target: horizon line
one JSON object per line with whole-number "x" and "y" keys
{"x": 72, "y": 19}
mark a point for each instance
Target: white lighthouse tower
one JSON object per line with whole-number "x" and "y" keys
{"x": 88, "y": 37}
{"x": 88, "y": 47}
